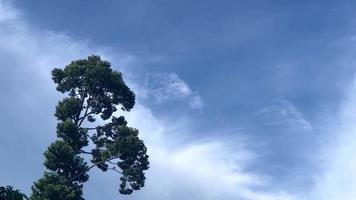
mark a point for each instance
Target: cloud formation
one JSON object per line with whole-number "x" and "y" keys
{"x": 212, "y": 170}
{"x": 164, "y": 87}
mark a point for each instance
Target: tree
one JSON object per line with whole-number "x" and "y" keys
{"x": 94, "y": 91}
{"x": 8, "y": 193}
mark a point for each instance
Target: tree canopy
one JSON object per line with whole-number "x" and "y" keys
{"x": 94, "y": 91}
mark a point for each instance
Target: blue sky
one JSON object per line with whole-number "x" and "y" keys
{"x": 250, "y": 100}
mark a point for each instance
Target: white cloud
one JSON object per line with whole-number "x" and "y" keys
{"x": 283, "y": 113}
{"x": 163, "y": 87}
{"x": 211, "y": 170}
{"x": 338, "y": 178}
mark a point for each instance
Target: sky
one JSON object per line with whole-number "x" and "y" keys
{"x": 236, "y": 100}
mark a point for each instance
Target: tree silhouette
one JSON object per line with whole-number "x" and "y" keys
{"x": 94, "y": 92}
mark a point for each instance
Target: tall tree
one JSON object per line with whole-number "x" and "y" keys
{"x": 93, "y": 91}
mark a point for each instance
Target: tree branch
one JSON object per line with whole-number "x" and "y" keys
{"x": 95, "y": 164}
{"x": 85, "y": 114}
{"x": 114, "y": 169}
{"x": 85, "y": 152}
{"x": 94, "y": 128}
{"x": 109, "y": 161}
{"x": 82, "y": 100}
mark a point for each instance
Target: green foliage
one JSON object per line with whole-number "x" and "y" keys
{"x": 94, "y": 90}
{"x": 8, "y": 193}
{"x": 117, "y": 140}
{"x": 95, "y": 78}
{"x": 75, "y": 137}
{"x": 68, "y": 108}
{"x": 56, "y": 187}
{"x": 62, "y": 159}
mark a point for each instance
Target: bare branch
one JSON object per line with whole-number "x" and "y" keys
{"x": 95, "y": 164}
{"x": 94, "y": 128}
{"x": 114, "y": 169}
{"x": 85, "y": 152}
{"x": 109, "y": 161}
{"x": 85, "y": 113}
{"x": 82, "y": 100}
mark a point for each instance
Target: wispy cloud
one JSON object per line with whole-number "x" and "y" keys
{"x": 164, "y": 87}
{"x": 283, "y": 113}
